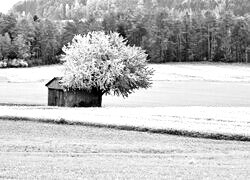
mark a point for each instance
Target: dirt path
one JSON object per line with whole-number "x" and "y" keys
{"x": 46, "y": 151}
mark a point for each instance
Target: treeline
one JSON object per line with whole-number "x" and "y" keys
{"x": 169, "y": 31}
{"x": 28, "y": 39}
{"x": 75, "y": 9}
{"x": 52, "y": 9}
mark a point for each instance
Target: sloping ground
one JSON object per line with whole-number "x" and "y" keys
{"x": 202, "y": 72}
{"x": 27, "y": 84}
{"x": 208, "y": 122}
{"x": 163, "y": 72}
{"x": 174, "y": 84}
{"x": 34, "y": 74}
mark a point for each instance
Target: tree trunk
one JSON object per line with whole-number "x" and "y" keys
{"x": 179, "y": 48}
{"x": 246, "y": 55}
{"x": 186, "y": 46}
{"x": 208, "y": 44}
{"x": 237, "y": 52}
{"x": 99, "y": 100}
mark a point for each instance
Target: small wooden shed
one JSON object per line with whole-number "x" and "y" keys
{"x": 60, "y": 96}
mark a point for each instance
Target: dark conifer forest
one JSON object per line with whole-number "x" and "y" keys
{"x": 35, "y": 31}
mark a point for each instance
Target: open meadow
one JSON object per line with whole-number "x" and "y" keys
{"x": 173, "y": 85}
{"x": 205, "y": 98}
{"x": 183, "y": 66}
{"x": 31, "y": 150}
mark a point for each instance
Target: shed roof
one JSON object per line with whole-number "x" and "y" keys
{"x": 55, "y": 83}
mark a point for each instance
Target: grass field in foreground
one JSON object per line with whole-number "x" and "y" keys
{"x": 31, "y": 150}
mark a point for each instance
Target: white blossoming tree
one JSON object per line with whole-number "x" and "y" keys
{"x": 104, "y": 64}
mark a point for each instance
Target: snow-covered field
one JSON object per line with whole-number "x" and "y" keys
{"x": 176, "y": 84}
{"x": 205, "y": 120}
{"x": 211, "y": 98}
{"x": 34, "y": 74}
{"x": 202, "y": 72}
{"x": 163, "y": 72}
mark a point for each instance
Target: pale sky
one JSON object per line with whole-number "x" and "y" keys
{"x": 5, "y": 5}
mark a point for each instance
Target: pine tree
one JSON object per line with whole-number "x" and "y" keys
{"x": 5, "y": 45}
{"x": 22, "y": 47}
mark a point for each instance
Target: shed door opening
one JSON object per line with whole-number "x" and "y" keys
{"x": 56, "y": 97}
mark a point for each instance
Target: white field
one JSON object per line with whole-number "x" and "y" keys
{"x": 208, "y": 120}
{"x": 226, "y": 93}
{"x": 163, "y": 72}
{"x": 203, "y": 84}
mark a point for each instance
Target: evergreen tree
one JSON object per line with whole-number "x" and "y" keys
{"x": 22, "y": 47}
{"x": 5, "y": 45}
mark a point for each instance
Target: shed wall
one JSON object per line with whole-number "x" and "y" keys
{"x": 82, "y": 99}
{"x": 56, "y": 97}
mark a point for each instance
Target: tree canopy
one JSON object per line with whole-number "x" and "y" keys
{"x": 105, "y": 63}
{"x": 169, "y": 30}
